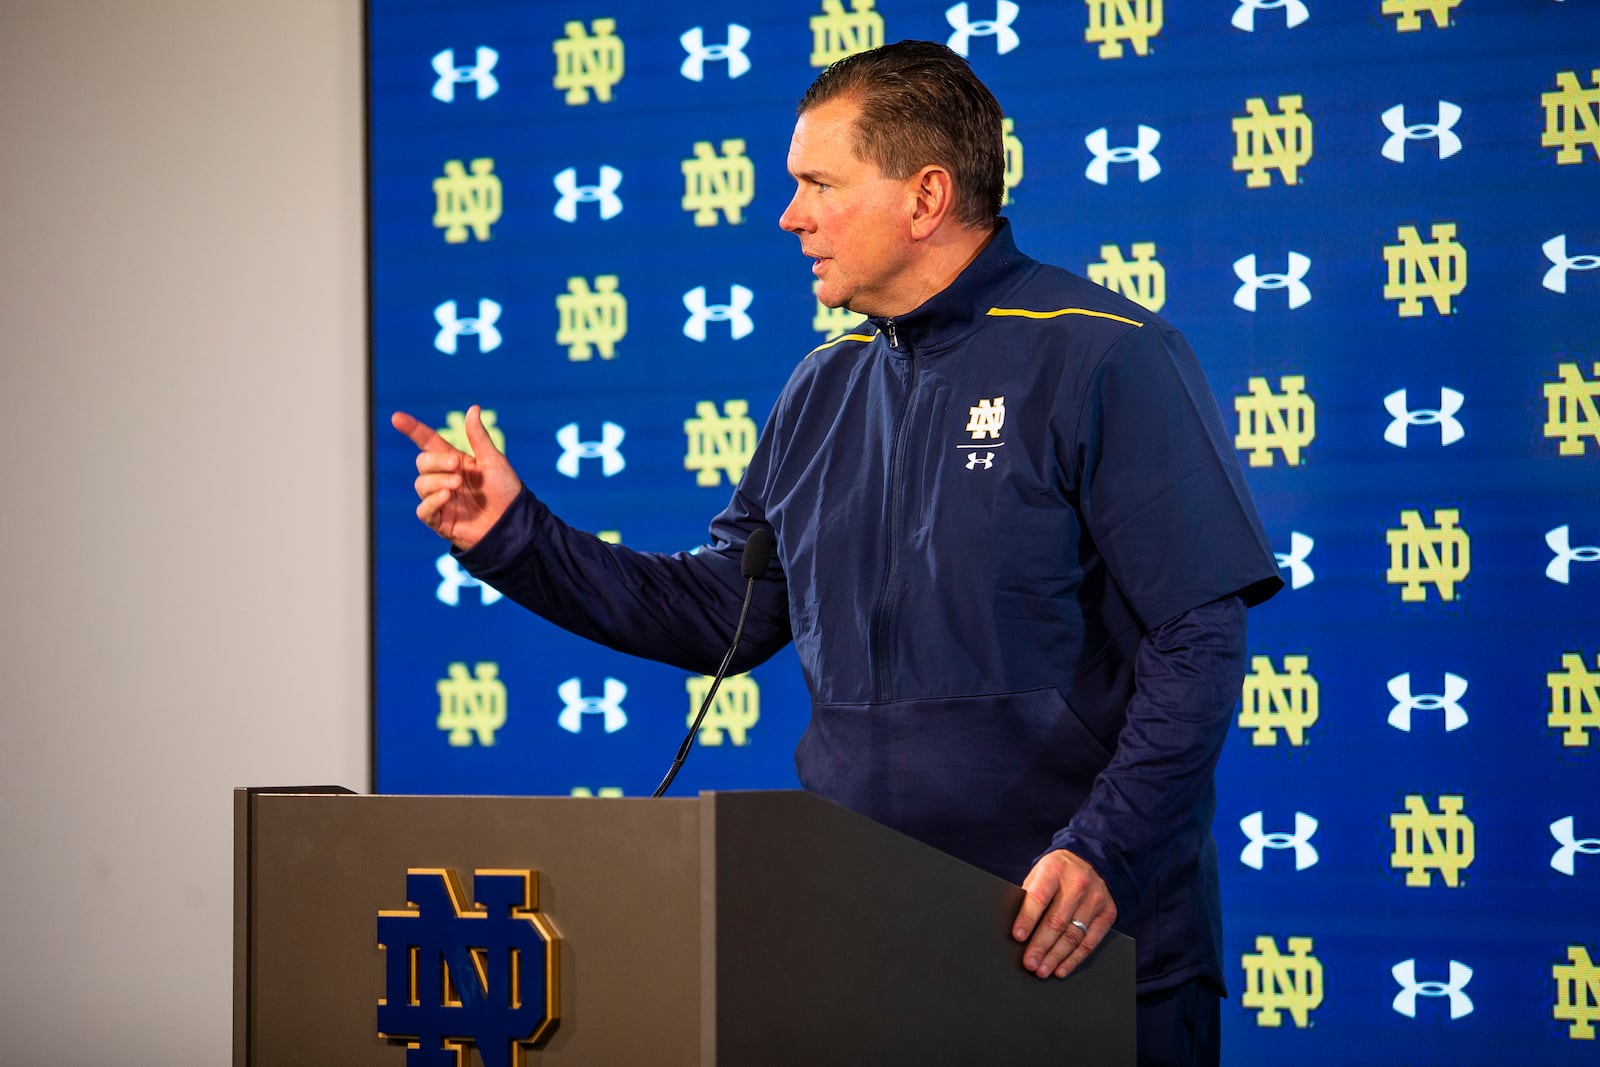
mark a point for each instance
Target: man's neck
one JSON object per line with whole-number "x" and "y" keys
{"x": 944, "y": 256}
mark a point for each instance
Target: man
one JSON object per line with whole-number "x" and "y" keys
{"x": 1014, "y": 547}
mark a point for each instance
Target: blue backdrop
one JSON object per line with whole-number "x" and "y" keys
{"x": 1377, "y": 222}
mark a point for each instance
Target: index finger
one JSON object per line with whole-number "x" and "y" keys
{"x": 1028, "y": 916}
{"x": 422, "y": 435}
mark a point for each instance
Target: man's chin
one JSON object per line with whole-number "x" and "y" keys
{"x": 834, "y": 300}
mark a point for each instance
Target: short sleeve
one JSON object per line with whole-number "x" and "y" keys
{"x": 1160, "y": 488}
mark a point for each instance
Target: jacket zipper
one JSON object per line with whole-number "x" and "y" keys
{"x": 882, "y": 625}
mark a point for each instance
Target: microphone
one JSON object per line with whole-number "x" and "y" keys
{"x": 757, "y": 553}
{"x": 753, "y": 564}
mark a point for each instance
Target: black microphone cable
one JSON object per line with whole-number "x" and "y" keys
{"x": 753, "y": 564}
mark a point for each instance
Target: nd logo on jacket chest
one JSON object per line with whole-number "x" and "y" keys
{"x": 984, "y": 422}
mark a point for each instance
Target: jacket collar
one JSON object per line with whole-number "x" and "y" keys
{"x": 955, "y": 311}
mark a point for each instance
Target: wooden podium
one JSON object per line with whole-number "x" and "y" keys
{"x": 749, "y": 928}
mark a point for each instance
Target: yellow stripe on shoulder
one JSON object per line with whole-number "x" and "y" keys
{"x": 1026, "y": 314}
{"x": 839, "y": 340}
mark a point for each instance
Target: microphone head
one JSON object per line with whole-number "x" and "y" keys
{"x": 757, "y": 553}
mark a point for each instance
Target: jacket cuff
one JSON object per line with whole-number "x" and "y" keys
{"x": 506, "y": 538}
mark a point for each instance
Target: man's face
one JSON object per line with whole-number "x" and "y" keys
{"x": 850, "y": 218}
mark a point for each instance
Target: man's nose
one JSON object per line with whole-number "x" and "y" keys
{"x": 792, "y": 219}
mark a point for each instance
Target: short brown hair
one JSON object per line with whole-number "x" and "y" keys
{"x": 921, "y": 104}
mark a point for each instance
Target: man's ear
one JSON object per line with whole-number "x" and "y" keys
{"x": 933, "y": 193}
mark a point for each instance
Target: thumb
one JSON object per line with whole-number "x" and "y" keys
{"x": 483, "y": 446}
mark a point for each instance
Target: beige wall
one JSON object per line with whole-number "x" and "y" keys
{"x": 182, "y": 509}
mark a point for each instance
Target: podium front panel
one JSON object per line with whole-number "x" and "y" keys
{"x": 618, "y": 879}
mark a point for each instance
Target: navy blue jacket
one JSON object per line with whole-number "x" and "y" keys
{"x": 1013, "y": 543}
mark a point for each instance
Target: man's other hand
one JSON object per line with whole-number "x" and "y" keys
{"x": 461, "y": 494}
{"x": 1066, "y": 912}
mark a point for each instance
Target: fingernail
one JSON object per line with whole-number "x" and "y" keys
{"x": 1019, "y": 933}
{"x": 1032, "y": 963}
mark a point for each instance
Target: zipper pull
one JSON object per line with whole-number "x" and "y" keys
{"x": 894, "y": 341}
